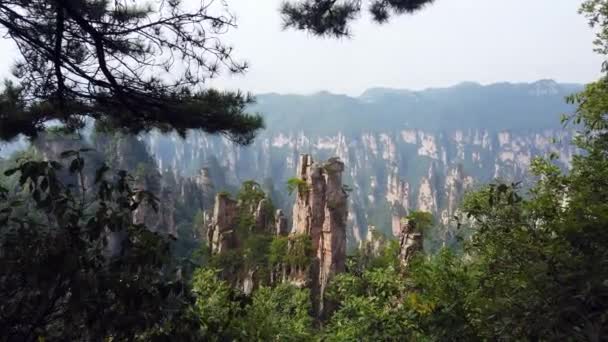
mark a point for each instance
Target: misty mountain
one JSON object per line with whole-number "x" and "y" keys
{"x": 403, "y": 150}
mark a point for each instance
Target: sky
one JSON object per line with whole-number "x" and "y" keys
{"x": 449, "y": 42}
{"x": 484, "y": 41}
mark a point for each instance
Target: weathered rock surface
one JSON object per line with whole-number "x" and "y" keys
{"x": 410, "y": 242}
{"x": 221, "y": 234}
{"x": 391, "y": 172}
{"x": 281, "y": 224}
{"x": 228, "y": 230}
{"x": 320, "y": 211}
{"x": 262, "y": 216}
{"x": 372, "y": 244}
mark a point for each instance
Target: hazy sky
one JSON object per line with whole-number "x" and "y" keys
{"x": 451, "y": 41}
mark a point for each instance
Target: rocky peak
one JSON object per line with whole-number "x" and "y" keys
{"x": 232, "y": 225}
{"x": 321, "y": 212}
{"x": 371, "y": 246}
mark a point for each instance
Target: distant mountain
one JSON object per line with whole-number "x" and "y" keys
{"x": 402, "y": 149}
{"x": 467, "y": 105}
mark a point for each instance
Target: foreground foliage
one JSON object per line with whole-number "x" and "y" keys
{"x": 74, "y": 264}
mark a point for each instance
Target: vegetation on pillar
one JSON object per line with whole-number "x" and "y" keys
{"x": 422, "y": 220}
{"x": 252, "y": 232}
{"x": 297, "y": 185}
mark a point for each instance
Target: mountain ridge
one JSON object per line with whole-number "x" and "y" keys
{"x": 517, "y": 106}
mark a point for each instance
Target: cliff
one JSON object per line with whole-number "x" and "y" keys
{"x": 402, "y": 150}
{"x": 320, "y": 212}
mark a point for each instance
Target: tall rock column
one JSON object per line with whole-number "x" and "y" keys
{"x": 332, "y": 247}
{"x": 221, "y": 235}
{"x": 320, "y": 211}
{"x": 280, "y": 223}
{"x": 410, "y": 242}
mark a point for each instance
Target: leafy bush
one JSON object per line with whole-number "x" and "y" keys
{"x": 297, "y": 184}
{"x": 300, "y": 253}
{"x": 278, "y": 250}
{"x": 74, "y": 265}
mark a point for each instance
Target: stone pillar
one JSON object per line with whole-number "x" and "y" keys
{"x": 280, "y": 223}
{"x": 221, "y": 229}
{"x": 410, "y": 242}
{"x": 321, "y": 212}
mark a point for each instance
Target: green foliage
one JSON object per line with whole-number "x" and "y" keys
{"x": 224, "y": 193}
{"x": 538, "y": 257}
{"x": 295, "y": 251}
{"x": 332, "y": 18}
{"x": 297, "y": 185}
{"x": 229, "y": 262}
{"x": 278, "y": 250}
{"x": 443, "y": 304}
{"x": 300, "y": 252}
{"x": 270, "y": 314}
{"x": 280, "y": 314}
{"x": 369, "y": 307}
{"x": 249, "y": 197}
{"x": 596, "y": 11}
{"x": 250, "y": 194}
{"x": 347, "y": 188}
{"x": 422, "y": 220}
{"x": 214, "y": 306}
{"x": 534, "y": 269}
{"x": 74, "y": 264}
{"x": 199, "y": 225}
{"x": 106, "y": 60}
{"x": 256, "y": 251}
{"x": 76, "y": 267}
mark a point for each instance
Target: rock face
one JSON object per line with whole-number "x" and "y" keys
{"x": 261, "y": 216}
{"x": 410, "y": 242}
{"x": 402, "y": 150}
{"x": 384, "y": 189}
{"x": 229, "y": 231}
{"x": 280, "y": 223}
{"x": 220, "y": 234}
{"x": 321, "y": 212}
{"x": 197, "y": 190}
{"x": 373, "y": 243}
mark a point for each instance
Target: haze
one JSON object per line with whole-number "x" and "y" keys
{"x": 485, "y": 41}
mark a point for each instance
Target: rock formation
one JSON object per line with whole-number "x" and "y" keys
{"x": 320, "y": 211}
{"x": 415, "y": 178}
{"x": 410, "y": 242}
{"x": 373, "y": 243}
{"x": 280, "y": 223}
{"x": 221, "y": 231}
{"x": 233, "y": 232}
{"x": 198, "y": 190}
{"x": 262, "y": 216}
